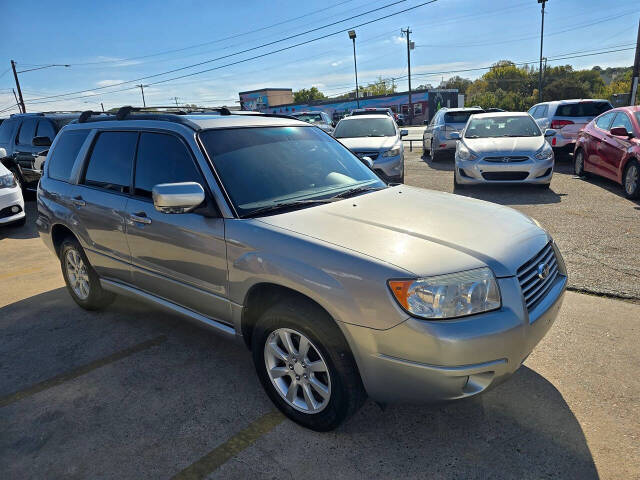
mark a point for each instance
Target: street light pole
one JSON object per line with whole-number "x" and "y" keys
{"x": 543, "y": 2}
{"x": 352, "y": 36}
{"x": 15, "y": 76}
{"x": 144, "y": 104}
{"x": 407, "y": 32}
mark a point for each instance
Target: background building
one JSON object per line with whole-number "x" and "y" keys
{"x": 265, "y": 98}
{"x": 425, "y": 103}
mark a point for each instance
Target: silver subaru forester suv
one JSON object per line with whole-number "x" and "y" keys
{"x": 271, "y": 232}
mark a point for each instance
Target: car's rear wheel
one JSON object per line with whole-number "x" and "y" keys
{"x": 433, "y": 153}
{"x": 578, "y": 164}
{"x": 306, "y": 366}
{"x": 631, "y": 179}
{"x": 82, "y": 281}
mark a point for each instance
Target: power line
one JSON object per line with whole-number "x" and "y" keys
{"x": 241, "y": 51}
{"x": 35, "y": 101}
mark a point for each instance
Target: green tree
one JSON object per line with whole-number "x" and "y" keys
{"x": 308, "y": 95}
{"x": 382, "y": 86}
{"x": 456, "y": 82}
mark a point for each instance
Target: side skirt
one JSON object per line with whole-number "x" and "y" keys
{"x": 129, "y": 291}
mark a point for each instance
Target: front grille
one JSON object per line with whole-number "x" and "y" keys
{"x": 505, "y": 159}
{"x": 6, "y": 212}
{"x": 534, "y": 288}
{"x": 371, "y": 155}
{"x": 505, "y": 175}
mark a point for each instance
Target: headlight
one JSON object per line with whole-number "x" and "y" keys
{"x": 545, "y": 153}
{"x": 8, "y": 181}
{"x": 394, "y": 152}
{"x": 448, "y": 296}
{"x": 463, "y": 153}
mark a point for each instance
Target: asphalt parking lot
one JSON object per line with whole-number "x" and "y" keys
{"x": 134, "y": 392}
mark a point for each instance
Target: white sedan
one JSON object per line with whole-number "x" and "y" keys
{"x": 11, "y": 201}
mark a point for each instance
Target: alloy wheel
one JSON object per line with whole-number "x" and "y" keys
{"x": 297, "y": 370}
{"x": 631, "y": 179}
{"x": 77, "y": 274}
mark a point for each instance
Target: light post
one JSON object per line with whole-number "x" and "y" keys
{"x": 352, "y": 36}
{"x": 15, "y": 76}
{"x": 541, "y": 37}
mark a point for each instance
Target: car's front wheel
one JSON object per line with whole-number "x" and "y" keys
{"x": 631, "y": 179}
{"x": 578, "y": 164}
{"x": 82, "y": 281}
{"x": 306, "y": 366}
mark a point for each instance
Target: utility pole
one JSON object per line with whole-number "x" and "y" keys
{"x": 352, "y": 36}
{"x": 16, "y": 97}
{"x": 410, "y": 46}
{"x": 636, "y": 71}
{"x": 176, "y": 100}
{"x": 144, "y": 104}
{"x": 543, "y": 2}
{"x": 102, "y": 105}
{"x": 15, "y": 75}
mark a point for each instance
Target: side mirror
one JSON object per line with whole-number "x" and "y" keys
{"x": 404, "y": 133}
{"x": 367, "y": 161}
{"x": 177, "y": 197}
{"x": 41, "y": 142}
{"x": 619, "y": 132}
{"x": 425, "y": 122}
{"x": 549, "y": 132}
{"x": 454, "y": 136}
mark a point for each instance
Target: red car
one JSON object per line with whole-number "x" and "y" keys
{"x": 609, "y": 146}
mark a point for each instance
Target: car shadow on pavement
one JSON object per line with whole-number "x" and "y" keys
{"x": 161, "y": 409}
{"x": 28, "y": 230}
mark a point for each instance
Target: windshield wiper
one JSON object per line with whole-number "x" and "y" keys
{"x": 285, "y": 206}
{"x": 355, "y": 191}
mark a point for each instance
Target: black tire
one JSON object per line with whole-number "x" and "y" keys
{"x": 434, "y": 154}
{"x": 634, "y": 191}
{"x": 97, "y": 298}
{"x": 347, "y": 392}
{"x": 544, "y": 186}
{"x": 578, "y": 164}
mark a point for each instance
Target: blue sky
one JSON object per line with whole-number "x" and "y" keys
{"x": 111, "y": 42}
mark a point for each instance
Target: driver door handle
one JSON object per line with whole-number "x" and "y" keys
{"x": 140, "y": 217}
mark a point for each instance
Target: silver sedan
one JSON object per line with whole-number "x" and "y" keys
{"x": 505, "y": 147}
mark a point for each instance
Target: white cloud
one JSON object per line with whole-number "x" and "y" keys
{"x": 108, "y": 83}
{"x": 335, "y": 64}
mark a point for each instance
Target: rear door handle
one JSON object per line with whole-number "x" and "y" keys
{"x": 140, "y": 217}
{"x": 78, "y": 201}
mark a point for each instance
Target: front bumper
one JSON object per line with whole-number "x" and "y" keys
{"x": 389, "y": 168}
{"x": 10, "y": 199}
{"x": 480, "y": 171}
{"x": 428, "y": 361}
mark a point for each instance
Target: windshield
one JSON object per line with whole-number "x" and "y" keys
{"x": 365, "y": 127}
{"x": 637, "y": 114}
{"x": 262, "y": 166}
{"x": 502, "y": 126}
{"x": 310, "y": 117}
{"x": 459, "y": 117}
{"x": 583, "y": 109}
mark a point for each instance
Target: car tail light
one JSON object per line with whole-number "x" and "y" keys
{"x": 553, "y": 142}
{"x": 558, "y": 124}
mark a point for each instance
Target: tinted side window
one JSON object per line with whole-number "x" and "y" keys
{"x": 162, "y": 159}
{"x": 605, "y": 120}
{"x": 64, "y": 155}
{"x": 542, "y": 112}
{"x": 45, "y": 129}
{"x": 111, "y": 161}
{"x": 6, "y": 129}
{"x": 27, "y": 131}
{"x": 622, "y": 120}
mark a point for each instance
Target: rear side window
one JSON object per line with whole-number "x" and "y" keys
{"x": 6, "y": 129}
{"x": 162, "y": 159}
{"x": 64, "y": 155}
{"x": 111, "y": 161}
{"x": 45, "y": 129}
{"x": 27, "y": 131}
{"x": 605, "y": 120}
{"x": 583, "y": 109}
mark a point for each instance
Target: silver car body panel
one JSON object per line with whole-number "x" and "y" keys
{"x": 341, "y": 256}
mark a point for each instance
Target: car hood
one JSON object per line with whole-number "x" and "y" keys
{"x": 368, "y": 143}
{"x": 421, "y": 231}
{"x": 505, "y": 145}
